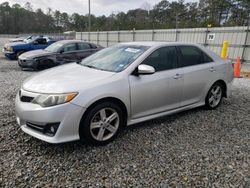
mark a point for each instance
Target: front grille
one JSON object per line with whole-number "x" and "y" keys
{"x": 22, "y": 61}
{"x": 37, "y": 127}
{"x": 26, "y": 99}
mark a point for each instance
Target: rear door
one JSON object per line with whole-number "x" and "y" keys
{"x": 161, "y": 91}
{"x": 199, "y": 71}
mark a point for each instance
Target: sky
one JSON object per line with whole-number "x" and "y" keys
{"x": 98, "y": 7}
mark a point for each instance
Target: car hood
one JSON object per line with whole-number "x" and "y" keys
{"x": 66, "y": 78}
{"x": 13, "y": 44}
{"x": 16, "y": 40}
{"x": 34, "y": 54}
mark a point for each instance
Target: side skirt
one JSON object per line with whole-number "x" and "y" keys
{"x": 138, "y": 120}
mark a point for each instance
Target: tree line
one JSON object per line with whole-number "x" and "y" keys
{"x": 164, "y": 15}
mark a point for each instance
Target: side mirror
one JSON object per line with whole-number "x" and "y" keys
{"x": 145, "y": 69}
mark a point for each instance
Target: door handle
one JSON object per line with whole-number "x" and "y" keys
{"x": 212, "y": 69}
{"x": 177, "y": 76}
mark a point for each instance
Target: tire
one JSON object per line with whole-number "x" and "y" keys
{"x": 214, "y": 96}
{"x": 96, "y": 127}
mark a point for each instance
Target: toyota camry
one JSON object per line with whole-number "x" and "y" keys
{"x": 119, "y": 86}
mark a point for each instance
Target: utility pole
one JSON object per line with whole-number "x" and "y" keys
{"x": 176, "y": 21}
{"x": 89, "y": 23}
{"x": 89, "y": 18}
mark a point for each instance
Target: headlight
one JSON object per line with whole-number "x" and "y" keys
{"x": 9, "y": 48}
{"x": 53, "y": 99}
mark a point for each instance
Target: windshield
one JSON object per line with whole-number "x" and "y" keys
{"x": 29, "y": 39}
{"x": 55, "y": 47}
{"x": 115, "y": 58}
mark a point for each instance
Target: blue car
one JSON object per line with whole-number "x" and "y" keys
{"x": 14, "y": 49}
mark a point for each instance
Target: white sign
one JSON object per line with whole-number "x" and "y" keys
{"x": 132, "y": 50}
{"x": 211, "y": 36}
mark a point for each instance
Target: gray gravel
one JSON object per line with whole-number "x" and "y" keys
{"x": 197, "y": 148}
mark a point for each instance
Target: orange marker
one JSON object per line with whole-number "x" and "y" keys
{"x": 237, "y": 68}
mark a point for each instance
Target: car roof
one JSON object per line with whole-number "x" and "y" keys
{"x": 157, "y": 43}
{"x": 71, "y": 41}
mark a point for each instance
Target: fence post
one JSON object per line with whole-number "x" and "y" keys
{"x": 153, "y": 35}
{"x": 176, "y": 35}
{"x": 97, "y": 37}
{"x": 107, "y": 38}
{"x": 205, "y": 41}
{"x": 89, "y": 36}
{"x": 246, "y": 40}
{"x": 118, "y": 36}
{"x": 81, "y": 35}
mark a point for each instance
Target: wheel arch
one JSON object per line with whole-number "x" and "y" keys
{"x": 224, "y": 86}
{"x": 115, "y": 100}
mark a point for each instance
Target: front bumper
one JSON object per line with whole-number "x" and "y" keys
{"x": 9, "y": 55}
{"x": 68, "y": 115}
{"x": 24, "y": 63}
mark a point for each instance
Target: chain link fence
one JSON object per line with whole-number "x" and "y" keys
{"x": 212, "y": 38}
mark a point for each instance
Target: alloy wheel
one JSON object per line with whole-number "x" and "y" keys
{"x": 104, "y": 124}
{"x": 215, "y": 96}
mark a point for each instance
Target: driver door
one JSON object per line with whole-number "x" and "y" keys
{"x": 68, "y": 54}
{"x": 40, "y": 43}
{"x": 158, "y": 92}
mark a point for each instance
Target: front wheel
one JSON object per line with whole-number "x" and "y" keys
{"x": 101, "y": 124}
{"x": 214, "y": 96}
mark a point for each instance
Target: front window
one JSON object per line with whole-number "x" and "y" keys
{"x": 69, "y": 47}
{"x": 115, "y": 58}
{"x": 162, "y": 59}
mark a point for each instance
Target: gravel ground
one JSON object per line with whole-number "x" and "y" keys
{"x": 197, "y": 148}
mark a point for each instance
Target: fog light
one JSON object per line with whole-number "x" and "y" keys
{"x": 51, "y": 128}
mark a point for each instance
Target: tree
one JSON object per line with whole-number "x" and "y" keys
{"x": 240, "y": 13}
{"x": 165, "y": 14}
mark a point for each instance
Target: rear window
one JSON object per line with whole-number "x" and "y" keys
{"x": 83, "y": 46}
{"x": 192, "y": 55}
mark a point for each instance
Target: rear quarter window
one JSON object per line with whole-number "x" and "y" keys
{"x": 192, "y": 55}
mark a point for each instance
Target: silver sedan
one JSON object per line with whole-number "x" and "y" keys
{"x": 118, "y": 86}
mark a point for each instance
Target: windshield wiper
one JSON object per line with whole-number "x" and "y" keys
{"x": 90, "y": 66}
{"x": 93, "y": 67}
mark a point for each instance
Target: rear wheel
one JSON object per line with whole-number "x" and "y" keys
{"x": 214, "y": 96}
{"x": 101, "y": 124}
